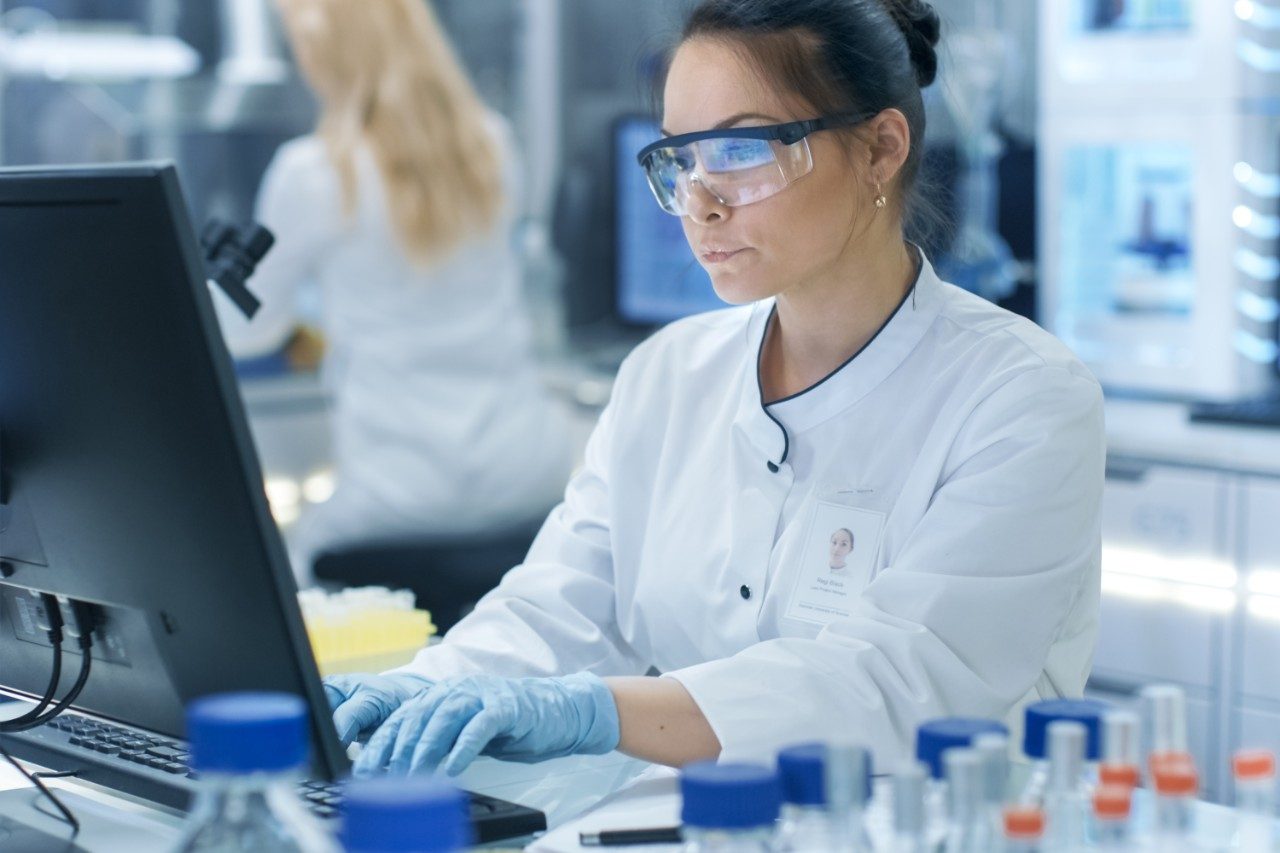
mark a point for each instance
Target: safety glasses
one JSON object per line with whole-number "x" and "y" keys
{"x": 737, "y": 166}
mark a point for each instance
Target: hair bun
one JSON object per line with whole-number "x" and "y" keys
{"x": 922, "y": 27}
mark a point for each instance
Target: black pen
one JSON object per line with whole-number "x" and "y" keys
{"x": 618, "y": 837}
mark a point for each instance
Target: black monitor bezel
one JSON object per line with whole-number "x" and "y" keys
{"x": 159, "y": 182}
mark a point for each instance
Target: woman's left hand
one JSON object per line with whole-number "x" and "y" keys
{"x": 518, "y": 719}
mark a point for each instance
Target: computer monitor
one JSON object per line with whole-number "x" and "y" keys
{"x": 128, "y": 477}
{"x": 657, "y": 278}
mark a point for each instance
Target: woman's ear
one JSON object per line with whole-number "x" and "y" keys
{"x": 890, "y": 143}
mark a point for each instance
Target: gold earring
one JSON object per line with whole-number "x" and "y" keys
{"x": 881, "y": 200}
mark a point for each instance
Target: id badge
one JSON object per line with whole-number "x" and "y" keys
{"x": 838, "y": 560}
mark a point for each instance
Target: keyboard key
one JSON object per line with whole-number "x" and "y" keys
{"x": 167, "y": 752}
{"x": 175, "y": 767}
{"x": 324, "y": 811}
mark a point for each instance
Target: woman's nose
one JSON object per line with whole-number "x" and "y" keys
{"x": 704, "y": 206}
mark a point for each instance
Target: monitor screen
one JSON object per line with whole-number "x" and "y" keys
{"x": 658, "y": 277}
{"x": 1097, "y": 16}
{"x": 1128, "y": 284}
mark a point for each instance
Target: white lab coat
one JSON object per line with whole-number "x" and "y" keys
{"x": 972, "y": 435}
{"x": 439, "y": 421}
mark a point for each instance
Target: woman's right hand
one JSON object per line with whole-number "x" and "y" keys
{"x": 362, "y": 701}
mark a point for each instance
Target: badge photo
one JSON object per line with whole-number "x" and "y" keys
{"x": 838, "y": 560}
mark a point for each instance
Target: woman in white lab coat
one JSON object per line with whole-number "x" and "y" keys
{"x": 960, "y": 445}
{"x": 400, "y": 208}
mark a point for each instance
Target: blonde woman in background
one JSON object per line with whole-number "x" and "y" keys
{"x": 400, "y": 207}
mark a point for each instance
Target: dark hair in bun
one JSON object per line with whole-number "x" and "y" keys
{"x": 922, "y": 28}
{"x": 838, "y": 56}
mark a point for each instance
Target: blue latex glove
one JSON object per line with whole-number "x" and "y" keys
{"x": 361, "y": 702}
{"x": 519, "y": 719}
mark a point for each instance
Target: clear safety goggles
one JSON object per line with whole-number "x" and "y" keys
{"x": 737, "y": 166}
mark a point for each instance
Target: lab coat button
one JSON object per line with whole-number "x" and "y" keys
{"x": 745, "y": 592}
{"x": 772, "y": 466}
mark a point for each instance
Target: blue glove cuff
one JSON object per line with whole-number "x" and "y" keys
{"x": 599, "y": 732}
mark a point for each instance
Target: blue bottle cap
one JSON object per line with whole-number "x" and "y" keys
{"x": 802, "y": 769}
{"x": 1087, "y": 712}
{"x": 415, "y": 815}
{"x": 729, "y": 796}
{"x": 937, "y": 736}
{"x": 247, "y": 733}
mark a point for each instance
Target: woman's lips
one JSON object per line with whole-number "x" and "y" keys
{"x": 716, "y": 256}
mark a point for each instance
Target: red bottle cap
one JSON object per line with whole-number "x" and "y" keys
{"x": 1119, "y": 774}
{"x": 1254, "y": 764}
{"x": 1176, "y": 779}
{"x": 1023, "y": 822}
{"x": 1157, "y": 759}
{"x": 1112, "y": 802}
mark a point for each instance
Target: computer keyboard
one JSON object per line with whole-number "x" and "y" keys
{"x": 155, "y": 768}
{"x": 1261, "y": 412}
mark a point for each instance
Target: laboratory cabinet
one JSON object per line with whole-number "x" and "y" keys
{"x": 1191, "y": 596}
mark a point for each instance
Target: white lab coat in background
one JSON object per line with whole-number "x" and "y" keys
{"x": 973, "y": 439}
{"x": 440, "y": 423}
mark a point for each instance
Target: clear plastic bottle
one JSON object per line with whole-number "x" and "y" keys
{"x": 729, "y": 808}
{"x": 1121, "y": 749}
{"x": 1176, "y": 784}
{"x": 1039, "y": 716}
{"x": 1023, "y": 829}
{"x": 1111, "y": 808}
{"x": 1164, "y": 715}
{"x": 968, "y": 830}
{"x": 1255, "y": 778}
{"x": 848, "y": 790}
{"x": 825, "y": 789}
{"x": 932, "y": 740}
{"x": 908, "y": 833}
{"x": 249, "y": 750}
{"x": 1067, "y": 792}
{"x": 993, "y": 752}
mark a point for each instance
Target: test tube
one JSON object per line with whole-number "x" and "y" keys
{"x": 1066, "y": 755}
{"x": 908, "y": 802}
{"x": 1120, "y": 735}
{"x": 993, "y": 750}
{"x": 1066, "y": 797}
{"x": 846, "y": 774}
{"x": 1164, "y": 709}
{"x": 1121, "y": 750}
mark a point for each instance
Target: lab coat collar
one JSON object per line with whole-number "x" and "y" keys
{"x": 847, "y": 384}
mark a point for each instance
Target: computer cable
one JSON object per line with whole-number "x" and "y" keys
{"x": 80, "y": 626}
{"x": 35, "y": 779}
{"x": 50, "y": 621}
